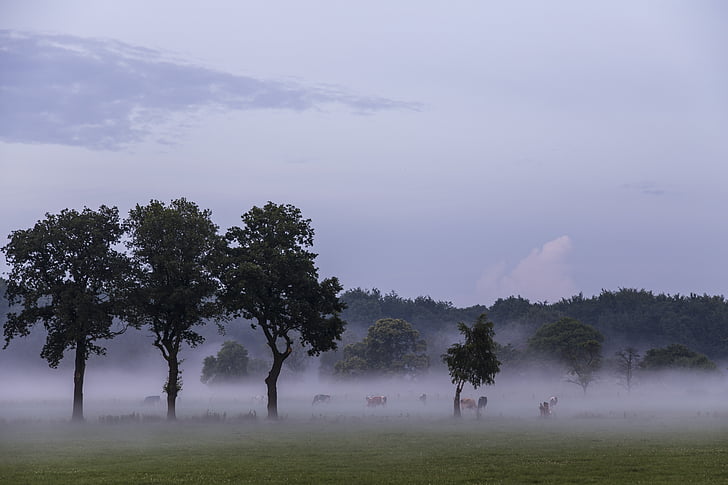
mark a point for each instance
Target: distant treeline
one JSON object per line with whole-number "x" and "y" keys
{"x": 626, "y": 317}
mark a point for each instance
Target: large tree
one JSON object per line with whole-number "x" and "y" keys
{"x": 576, "y": 345}
{"x": 473, "y": 361}
{"x": 270, "y": 279}
{"x": 392, "y": 347}
{"x": 65, "y": 273}
{"x": 175, "y": 250}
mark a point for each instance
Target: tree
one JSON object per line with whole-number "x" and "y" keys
{"x": 574, "y": 344}
{"x": 676, "y": 356}
{"x": 627, "y": 360}
{"x": 392, "y": 347}
{"x": 175, "y": 250}
{"x": 473, "y": 361}
{"x": 66, "y": 273}
{"x": 270, "y": 278}
{"x": 230, "y": 364}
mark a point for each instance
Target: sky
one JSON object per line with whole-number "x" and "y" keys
{"x": 465, "y": 150}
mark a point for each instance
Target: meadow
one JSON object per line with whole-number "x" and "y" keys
{"x": 377, "y": 449}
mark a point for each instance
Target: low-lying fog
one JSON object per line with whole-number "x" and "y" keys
{"x": 45, "y": 394}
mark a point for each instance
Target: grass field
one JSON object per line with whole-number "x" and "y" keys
{"x": 377, "y": 450}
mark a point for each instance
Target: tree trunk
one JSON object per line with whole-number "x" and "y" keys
{"x": 78, "y": 375}
{"x": 271, "y": 381}
{"x": 171, "y": 387}
{"x": 456, "y": 403}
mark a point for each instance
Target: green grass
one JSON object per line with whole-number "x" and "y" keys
{"x": 368, "y": 451}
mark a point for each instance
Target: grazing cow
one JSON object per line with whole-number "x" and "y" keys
{"x": 468, "y": 403}
{"x": 544, "y": 409}
{"x": 423, "y": 398}
{"x": 374, "y": 401}
{"x": 152, "y": 400}
{"x": 321, "y": 398}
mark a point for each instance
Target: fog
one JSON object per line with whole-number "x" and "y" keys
{"x": 36, "y": 394}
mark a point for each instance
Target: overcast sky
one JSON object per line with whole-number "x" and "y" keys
{"x": 465, "y": 150}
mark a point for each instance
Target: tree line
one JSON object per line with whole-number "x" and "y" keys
{"x": 89, "y": 276}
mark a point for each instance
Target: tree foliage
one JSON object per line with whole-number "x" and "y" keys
{"x": 391, "y": 347}
{"x": 676, "y": 356}
{"x": 66, "y": 273}
{"x": 176, "y": 250}
{"x": 270, "y": 278}
{"x": 576, "y": 345}
{"x": 230, "y": 364}
{"x": 473, "y": 361}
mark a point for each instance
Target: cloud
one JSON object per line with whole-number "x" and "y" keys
{"x": 105, "y": 94}
{"x": 543, "y": 275}
{"x": 646, "y": 188}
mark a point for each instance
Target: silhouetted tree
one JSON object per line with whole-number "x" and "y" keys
{"x": 473, "y": 361}
{"x": 627, "y": 361}
{"x": 175, "y": 250}
{"x": 270, "y": 278}
{"x": 65, "y": 273}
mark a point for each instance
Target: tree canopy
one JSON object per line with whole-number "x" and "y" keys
{"x": 473, "y": 361}
{"x": 576, "y": 345}
{"x": 66, "y": 273}
{"x": 676, "y": 356}
{"x": 176, "y": 251}
{"x": 391, "y": 347}
{"x": 270, "y": 278}
{"x": 230, "y": 364}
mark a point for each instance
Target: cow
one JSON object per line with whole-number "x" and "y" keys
{"x": 482, "y": 402}
{"x": 374, "y": 401}
{"x": 553, "y": 400}
{"x": 468, "y": 403}
{"x": 152, "y": 400}
{"x": 423, "y": 398}
{"x": 544, "y": 409}
{"x": 321, "y": 398}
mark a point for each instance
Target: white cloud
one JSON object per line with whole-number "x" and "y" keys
{"x": 543, "y": 275}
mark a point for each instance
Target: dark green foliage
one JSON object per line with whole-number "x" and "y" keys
{"x": 270, "y": 278}
{"x": 175, "y": 250}
{"x": 391, "y": 347}
{"x": 230, "y": 364}
{"x": 66, "y": 274}
{"x": 474, "y": 361}
{"x": 676, "y": 356}
{"x": 576, "y": 345}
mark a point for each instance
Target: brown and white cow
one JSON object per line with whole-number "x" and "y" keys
{"x": 468, "y": 403}
{"x": 373, "y": 401}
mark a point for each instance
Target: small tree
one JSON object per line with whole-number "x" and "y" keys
{"x": 473, "y": 361}
{"x": 627, "y": 360}
{"x": 175, "y": 251}
{"x": 270, "y": 278}
{"x": 230, "y": 364}
{"x": 576, "y": 345}
{"x": 65, "y": 273}
{"x": 676, "y": 356}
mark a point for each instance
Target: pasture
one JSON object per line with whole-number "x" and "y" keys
{"x": 377, "y": 449}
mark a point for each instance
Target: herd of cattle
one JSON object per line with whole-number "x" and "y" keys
{"x": 545, "y": 408}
